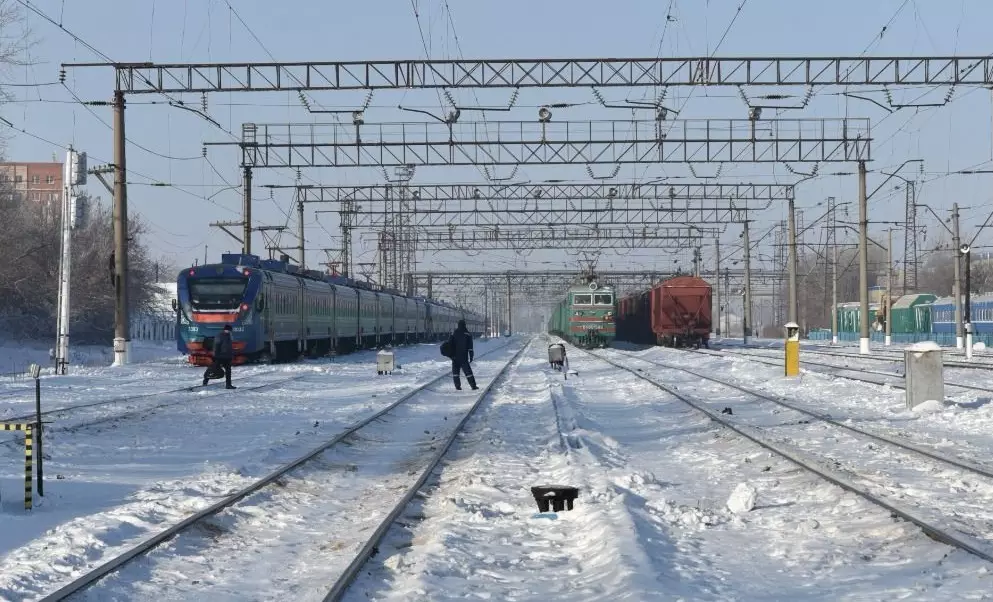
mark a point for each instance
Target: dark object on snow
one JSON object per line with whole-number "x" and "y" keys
{"x": 460, "y": 345}
{"x": 560, "y": 497}
{"x": 727, "y": 411}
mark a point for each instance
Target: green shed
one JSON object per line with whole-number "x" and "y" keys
{"x": 849, "y": 315}
{"x": 912, "y": 314}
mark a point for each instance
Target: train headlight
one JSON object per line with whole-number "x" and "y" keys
{"x": 244, "y": 307}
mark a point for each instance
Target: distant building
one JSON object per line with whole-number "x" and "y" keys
{"x": 36, "y": 182}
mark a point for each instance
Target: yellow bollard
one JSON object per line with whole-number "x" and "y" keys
{"x": 792, "y": 349}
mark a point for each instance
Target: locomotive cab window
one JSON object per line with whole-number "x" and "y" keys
{"x": 603, "y": 299}
{"x": 582, "y": 299}
{"x": 217, "y": 293}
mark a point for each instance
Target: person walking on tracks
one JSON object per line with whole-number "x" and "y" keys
{"x": 223, "y": 355}
{"x": 460, "y": 344}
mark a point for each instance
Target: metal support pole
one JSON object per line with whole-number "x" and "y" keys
{"x": 889, "y": 289}
{"x": 430, "y": 288}
{"x": 746, "y": 319}
{"x": 510, "y": 320}
{"x": 65, "y": 268}
{"x": 957, "y": 286}
{"x": 791, "y": 308}
{"x": 863, "y": 263}
{"x": 717, "y": 271}
{"x": 246, "y": 213}
{"x": 37, "y": 429}
{"x": 834, "y": 296}
{"x": 122, "y": 321}
{"x": 300, "y": 247}
{"x": 486, "y": 311}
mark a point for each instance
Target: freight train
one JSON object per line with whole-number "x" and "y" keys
{"x": 673, "y": 313}
{"x": 279, "y": 312}
{"x": 585, "y": 317}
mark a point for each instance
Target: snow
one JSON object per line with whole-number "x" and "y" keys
{"x": 671, "y": 506}
{"x": 924, "y": 346}
{"x": 979, "y": 346}
{"x": 743, "y": 498}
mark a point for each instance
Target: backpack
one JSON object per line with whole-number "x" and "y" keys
{"x": 446, "y": 349}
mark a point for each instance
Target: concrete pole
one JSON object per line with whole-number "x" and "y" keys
{"x": 967, "y": 256}
{"x": 834, "y": 296}
{"x": 746, "y": 319}
{"x": 863, "y": 263}
{"x": 957, "y": 286}
{"x": 301, "y": 248}
{"x": 486, "y": 311}
{"x": 791, "y": 308}
{"x": 717, "y": 323}
{"x": 246, "y": 212}
{"x": 889, "y": 289}
{"x": 122, "y": 319}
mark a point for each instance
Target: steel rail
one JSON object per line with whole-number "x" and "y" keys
{"x": 934, "y": 455}
{"x": 92, "y": 577}
{"x": 767, "y": 360}
{"x": 893, "y": 357}
{"x": 371, "y": 546}
{"x": 930, "y": 530}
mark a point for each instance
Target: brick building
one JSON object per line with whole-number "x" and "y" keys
{"x": 38, "y": 182}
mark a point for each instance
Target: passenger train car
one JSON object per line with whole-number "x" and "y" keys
{"x": 586, "y": 316}
{"x": 277, "y": 312}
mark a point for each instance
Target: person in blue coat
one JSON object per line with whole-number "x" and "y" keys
{"x": 462, "y": 355}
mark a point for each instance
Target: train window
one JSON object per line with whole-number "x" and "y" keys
{"x": 216, "y": 293}
{"x": 603, "y": 299}
{"x": 582, "y": 299}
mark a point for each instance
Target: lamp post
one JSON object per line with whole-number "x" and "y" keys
{"x": 964, "y": 249}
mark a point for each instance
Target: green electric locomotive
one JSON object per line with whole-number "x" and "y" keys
{"x": 585, "y": 317}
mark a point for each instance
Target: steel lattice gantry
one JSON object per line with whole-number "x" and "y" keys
{"x": 545, "y": 205}
{"x": 151, "y": 78}
{"x": 524, "y": 238}
{"x": 565, "y": 143}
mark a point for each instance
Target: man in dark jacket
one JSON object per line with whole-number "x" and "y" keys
{"x": 462, "y": 355}
{"x": 223, "y": 354}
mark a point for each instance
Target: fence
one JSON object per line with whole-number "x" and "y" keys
{"x": 153, "y": 329}
{"x": 944, "y": 339}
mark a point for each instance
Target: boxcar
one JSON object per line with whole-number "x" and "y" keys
{"x": 681, "y": 311}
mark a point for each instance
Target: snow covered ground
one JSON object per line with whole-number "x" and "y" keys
{"x": 652, "y": 522}
{"x": 117, "y": 481}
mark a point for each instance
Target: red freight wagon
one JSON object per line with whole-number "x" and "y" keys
{"x": 681, "y": 309}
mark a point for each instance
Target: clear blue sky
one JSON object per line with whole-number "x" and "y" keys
{"x": 947, "y": 139}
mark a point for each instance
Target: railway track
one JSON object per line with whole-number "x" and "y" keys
{"x": 764, "y": 359}
{"x": 940, "y": 513}
{"x": 893, "y": 358}
{"x": 339, "y": 516}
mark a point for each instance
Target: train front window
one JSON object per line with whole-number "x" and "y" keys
{"x": 603, "y": 299}
{"x": 217, "y": 293}
{"x": 582, "y": 299}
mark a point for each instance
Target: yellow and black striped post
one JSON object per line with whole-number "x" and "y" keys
{"x": 28, "y": 428}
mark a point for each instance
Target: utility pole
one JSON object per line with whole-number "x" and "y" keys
{"x": 746, "y": 319}
{"x": 122, "y": 319}
{"x": 889, "y": 289}
{"x": 863, "y": 263}
{"x": 73, "y": 174}
{"x": 510, "y": 320}
{"x": 300, "y": 247}
{"x": 486, "y": 311}
{"x": 727, "y": 295}
{"x": 246, "y": 213}
{"x": 834, "y": 295}
{"x": 791, "y": 308}
{"x": 717, "y": 271}
{"x": 964, "y": 251}
{"x": 957, "y": 286}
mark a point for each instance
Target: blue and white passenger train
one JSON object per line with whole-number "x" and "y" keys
{"x": 278, "y": 312}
